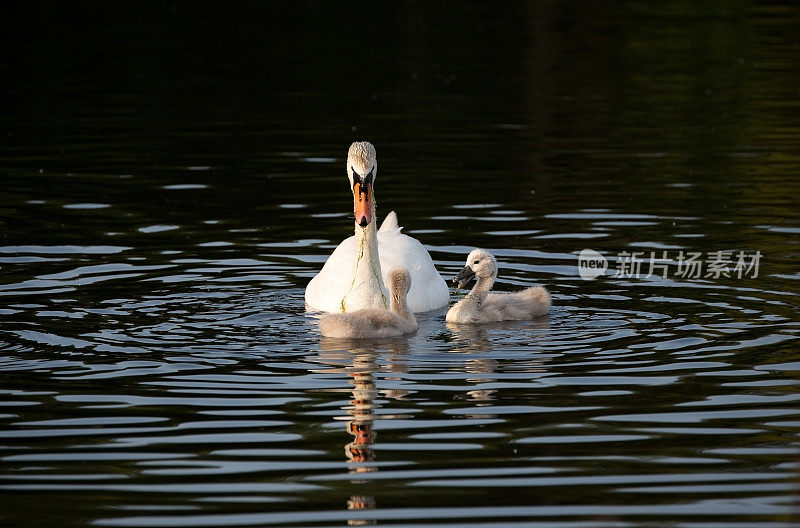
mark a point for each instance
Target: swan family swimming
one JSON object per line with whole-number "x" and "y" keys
{"x": 352, "y": 286}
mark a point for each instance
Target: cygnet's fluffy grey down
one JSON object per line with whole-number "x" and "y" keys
{"x": 482, "y": 306}
{"x": 372, "y": 322}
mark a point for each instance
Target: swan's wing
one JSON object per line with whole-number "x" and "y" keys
{"x": 503, "y": 306}
{"x": 524, "y": 304}
{"x": 428, "y": 288}
{"x": 538, "y": 300}
{"x": 390, "y": 223}
{"x": 498, "y": 299}
{"x": 329, "y": 286}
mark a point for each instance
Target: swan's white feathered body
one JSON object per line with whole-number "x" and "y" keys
{"x": 352, "y": 279}
{"x": 334, "y": 284}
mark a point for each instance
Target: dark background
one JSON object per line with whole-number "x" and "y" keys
{"x": 172, "y": 175}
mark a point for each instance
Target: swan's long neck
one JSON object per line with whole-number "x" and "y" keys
{"x": 367, "y": 276}
{"x": 475, "y": 298}
{"x": 400, "y": 306}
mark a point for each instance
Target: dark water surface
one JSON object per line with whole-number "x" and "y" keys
{"x": 173, "y": 175}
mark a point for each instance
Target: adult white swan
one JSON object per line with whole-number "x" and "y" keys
{"x": 352, "y": 279}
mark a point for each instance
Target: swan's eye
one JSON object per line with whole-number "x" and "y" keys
{"x": 477, "y": 262}
{"x": 368, "y": 177}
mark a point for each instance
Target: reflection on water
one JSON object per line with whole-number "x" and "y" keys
{"x": 360, "y": 418}
{"x": 170, "y": 184}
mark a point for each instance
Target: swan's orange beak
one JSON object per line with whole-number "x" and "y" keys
{"x": 362, "y": 203}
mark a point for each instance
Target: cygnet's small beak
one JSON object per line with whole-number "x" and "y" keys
{"x": 464, "y": 276}
{"x": 362, "y": 203}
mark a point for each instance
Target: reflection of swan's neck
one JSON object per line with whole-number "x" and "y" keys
{"x": 367, "y": 273}
{"x": 479, "y": 292}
